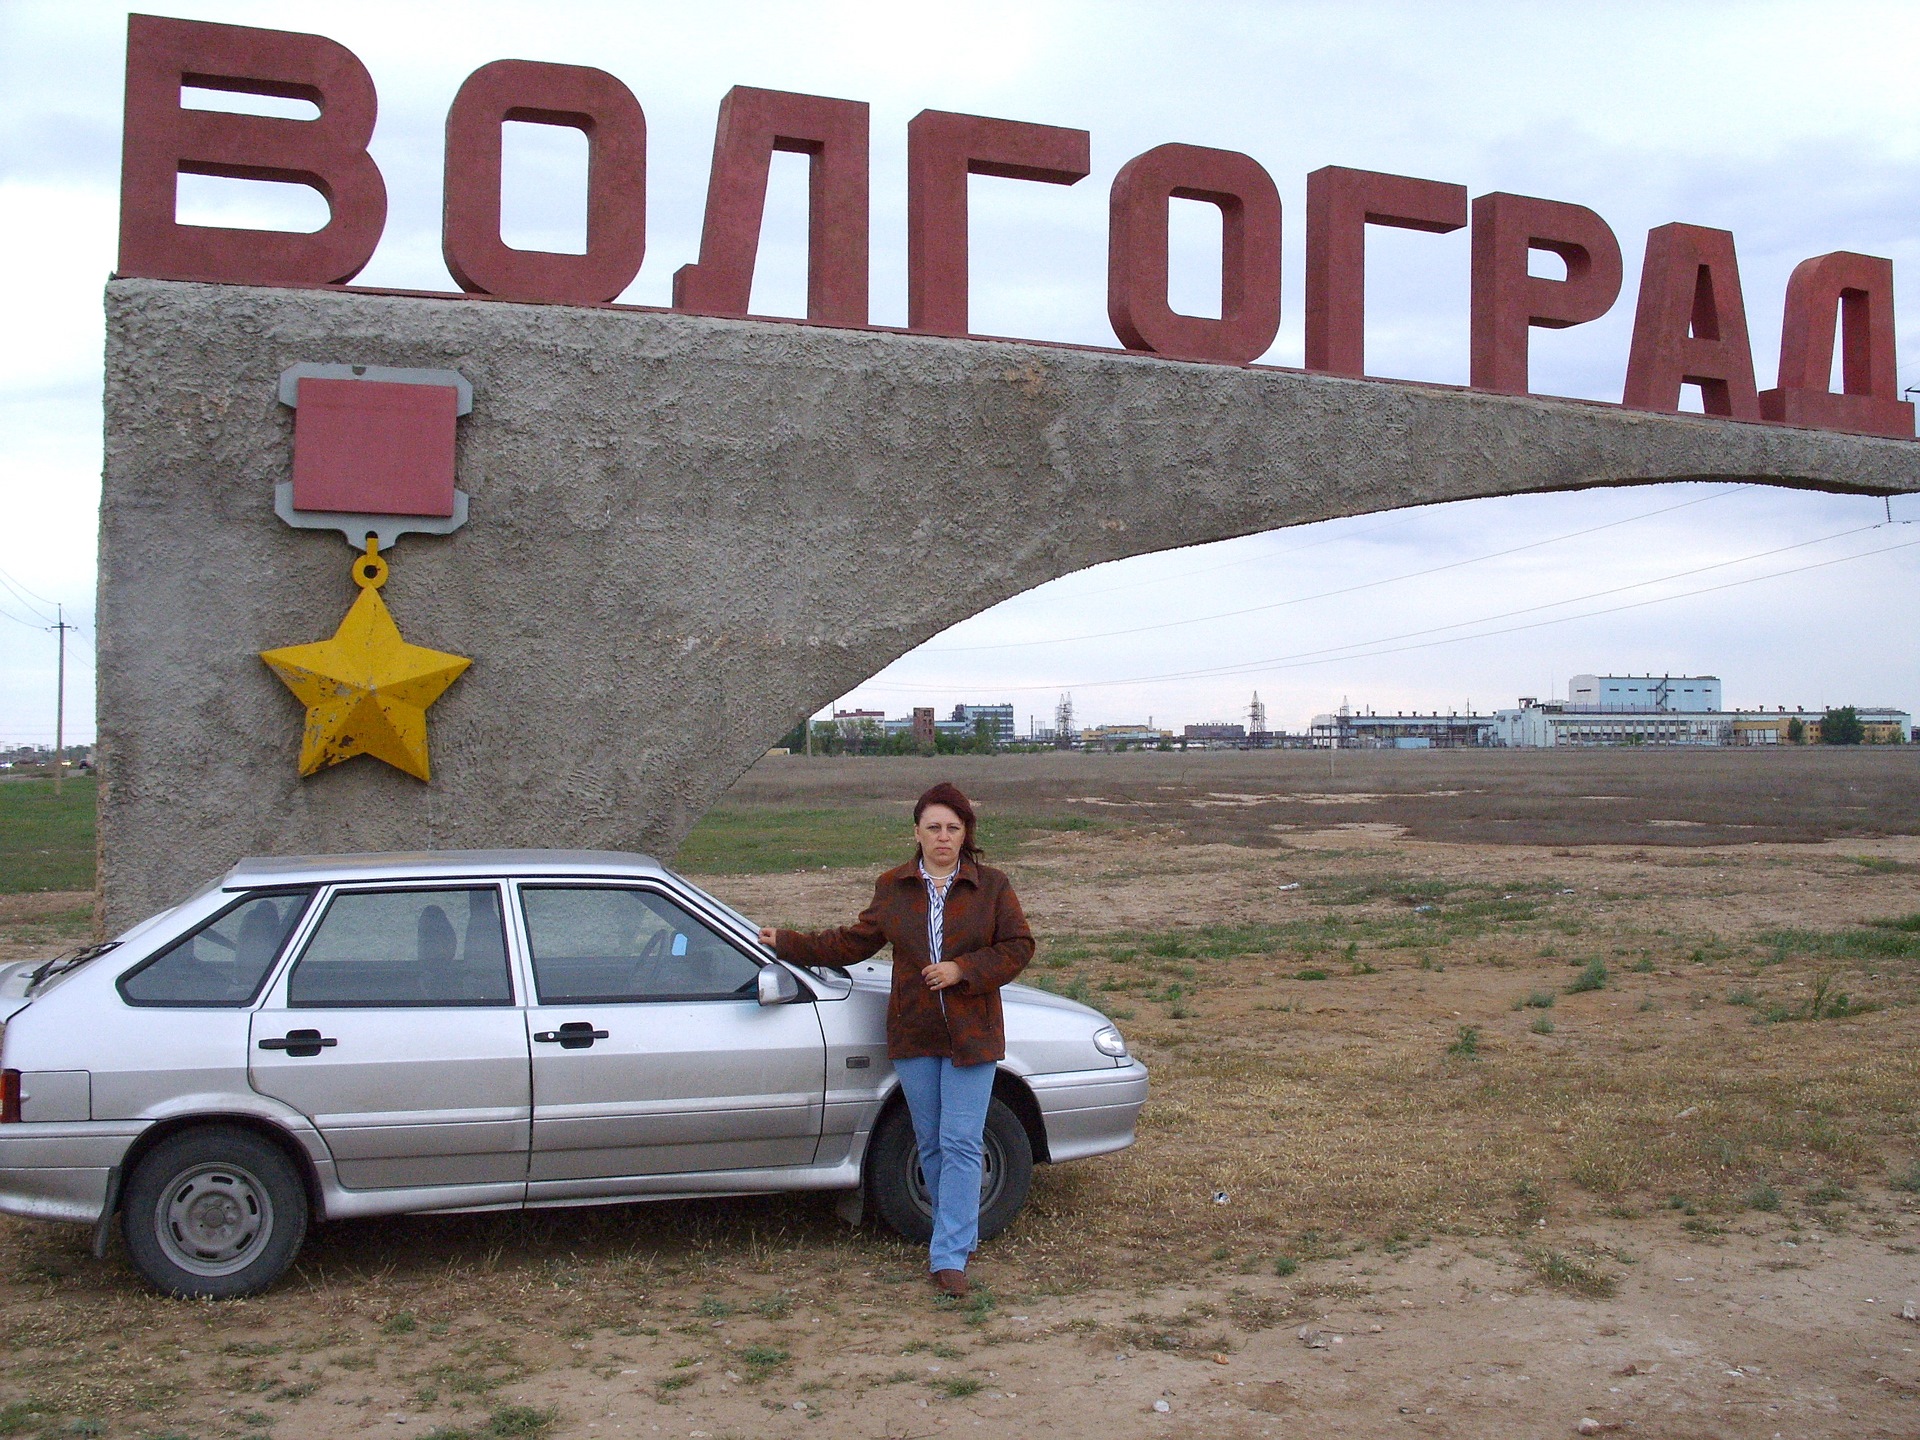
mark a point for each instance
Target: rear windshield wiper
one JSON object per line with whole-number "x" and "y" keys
{"x": 72, "y": 960}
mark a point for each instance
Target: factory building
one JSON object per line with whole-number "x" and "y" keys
{"x": 1345, "y": 729}
{"x": 1536, "y": 724}
{"x": 1664, "y": 710}
{"x": 1690, "y": 693}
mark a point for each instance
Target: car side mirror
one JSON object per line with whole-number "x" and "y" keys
{"x": 777, "y": 985}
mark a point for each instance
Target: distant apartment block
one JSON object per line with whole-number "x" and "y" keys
{"x": 999, "y": 718}
{"x": 962, "y": 724}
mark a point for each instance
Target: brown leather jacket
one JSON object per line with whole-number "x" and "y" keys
{"x": 983, "y": 932}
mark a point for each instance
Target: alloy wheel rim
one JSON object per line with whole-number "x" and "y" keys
{"x": 214, "y": 1219}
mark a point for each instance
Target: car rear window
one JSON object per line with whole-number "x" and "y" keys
{"x": 225, "y": 961}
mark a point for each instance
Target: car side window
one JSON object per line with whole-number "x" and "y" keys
{"x": 223, "y": 962}
{"x": 593, "y": 944}
{"x": 390, "y": 948}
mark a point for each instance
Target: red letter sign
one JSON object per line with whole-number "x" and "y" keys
{"x": 1691, "y": 326}
{"x": 1341, "y": 203}
{"x": 1249, "y": 254}
{"x": 942, "y": 150}
{"x": 329, "y": 154}
{"x": 1507, "y": 301}
{"x": 1860, "y": 288}
{"x": 588, "y": 100}
{"x": 754, "y": 124}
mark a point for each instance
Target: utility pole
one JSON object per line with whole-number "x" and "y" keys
{"x": 60, "y": 628}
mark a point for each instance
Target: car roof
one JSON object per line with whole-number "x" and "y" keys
{"x": 261, "y": 870}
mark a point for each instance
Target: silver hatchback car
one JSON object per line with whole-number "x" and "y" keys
{"x": 381, "y": 1034}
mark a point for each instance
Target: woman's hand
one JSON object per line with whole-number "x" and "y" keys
{"x": 943, "y": 976}
{"x": 767, "y": 933}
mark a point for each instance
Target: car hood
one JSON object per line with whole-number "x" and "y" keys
{"x": 877, "y": 976}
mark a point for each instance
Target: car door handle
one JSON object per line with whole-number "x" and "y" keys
{"x": 574, "y": 1035}
{"x": 300, "y": 1043}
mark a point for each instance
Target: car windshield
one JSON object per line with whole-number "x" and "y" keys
{"x": 752, "y": 930}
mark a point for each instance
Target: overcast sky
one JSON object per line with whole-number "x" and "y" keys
{"x": 1793, "y": 125}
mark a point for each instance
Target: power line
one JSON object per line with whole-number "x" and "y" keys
{"x": 1330, "y": 655}
{"x": 1344, "y": 590}
{"x": 30, "y": 624}
{"x": 32, "y": 609}
{"x": 1334, "y": 650}
{"x": 1235, "y": 564}
{"x": 27, "y": 596}
{"x": 1595, "y": 614}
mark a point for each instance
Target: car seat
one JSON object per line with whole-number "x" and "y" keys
{"x": 436, "y": 947}
{"x": 260, "y": 935}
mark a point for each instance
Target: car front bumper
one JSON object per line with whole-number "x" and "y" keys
{"x": 1090, "y": 1112}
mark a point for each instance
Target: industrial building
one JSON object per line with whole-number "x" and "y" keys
{"x": 1345, "y": 729}
{"x": 1126, "y": 736}
{"x": 1693, "y": 693}
{"x": 1216, "y": 735}
{"x": 1667, "y": 710}
{"x": 1539, "y": 723}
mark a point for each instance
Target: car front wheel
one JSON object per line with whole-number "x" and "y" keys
{"x": 213, "y": 1214}
{"x": 900, "y": 1191}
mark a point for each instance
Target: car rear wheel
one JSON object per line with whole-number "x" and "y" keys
{"x": 213, "y": 1214}
{"x": 900, "y": 1191}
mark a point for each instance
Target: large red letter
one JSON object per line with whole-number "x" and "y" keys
{"x": 329, "y": 153}
{"x": 587, "y": 100}
{"x": 1249, "y": 254}
{"x": 1341, "y": 203}
{"x": 1860, "y": 288}
{"x": 1507, "y": 301}
{"x": 754, "y": 124}
{"x": 1690, "y": 327}
{"x": 942, "y": 150}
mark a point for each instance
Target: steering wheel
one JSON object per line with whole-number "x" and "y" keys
{"x": 646, "y": 966}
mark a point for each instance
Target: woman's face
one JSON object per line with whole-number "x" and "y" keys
{"x": 941, "y": 834}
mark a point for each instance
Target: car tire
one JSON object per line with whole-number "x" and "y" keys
{"x": 214, "y": 1213}
{"x": 900, "y": 1195}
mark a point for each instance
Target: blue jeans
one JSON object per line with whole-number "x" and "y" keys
{"x": 948, "y": 1103}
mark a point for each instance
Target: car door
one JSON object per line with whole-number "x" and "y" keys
{"x": 651, "y": 1052}
{"x": 396, "y": 1031}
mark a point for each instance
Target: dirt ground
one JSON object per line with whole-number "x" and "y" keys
{"x": 1449, "y": 1137}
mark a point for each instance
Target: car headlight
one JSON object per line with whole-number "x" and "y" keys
{"x": 1109, "y": 1041}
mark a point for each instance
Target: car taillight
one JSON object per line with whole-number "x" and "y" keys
{"x": 9, "y": 1097}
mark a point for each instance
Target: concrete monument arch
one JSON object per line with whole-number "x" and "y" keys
{"x": 686, "y": 532}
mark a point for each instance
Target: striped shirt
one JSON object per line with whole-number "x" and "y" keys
{"x": 937, "y": 923}
{"x": 936, "y": 911}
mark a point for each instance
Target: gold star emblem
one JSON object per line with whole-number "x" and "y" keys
{"x": 366, "y": 690}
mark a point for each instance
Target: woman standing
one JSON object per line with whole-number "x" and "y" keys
{"x": 958, "y": 935}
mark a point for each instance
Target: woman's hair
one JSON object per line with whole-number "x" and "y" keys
{"x": 948, "y": 794}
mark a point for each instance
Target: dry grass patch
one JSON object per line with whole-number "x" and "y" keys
{"x": 1303, "y": 1132}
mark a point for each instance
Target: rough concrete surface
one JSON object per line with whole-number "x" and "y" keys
{"x": 688, "y": 532}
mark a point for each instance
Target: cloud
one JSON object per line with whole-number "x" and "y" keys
{"x": 1789, "y": 124}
